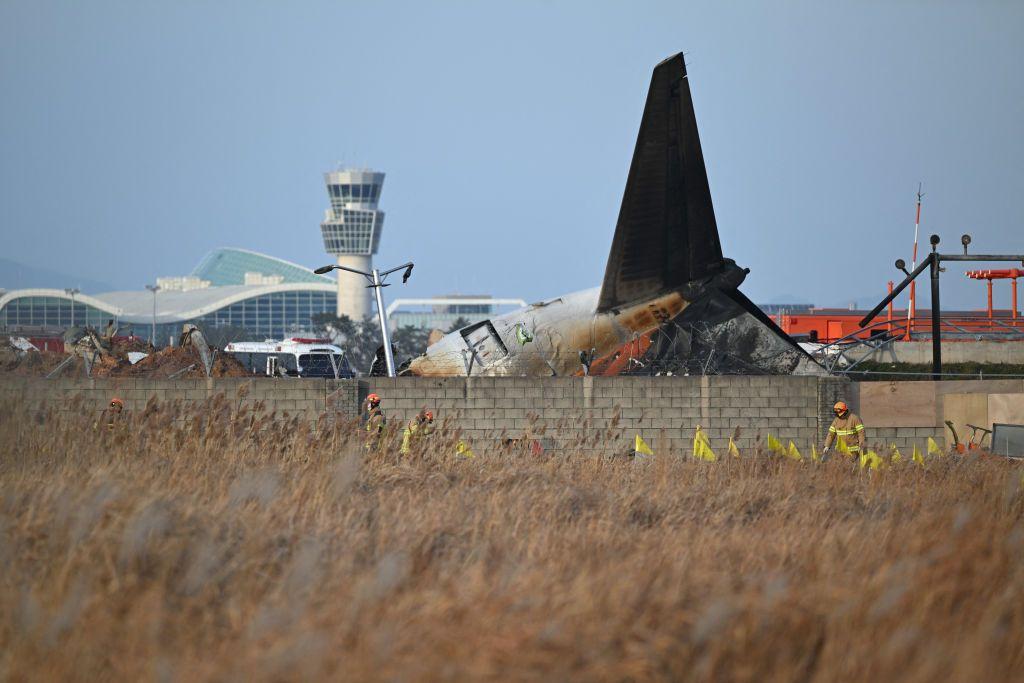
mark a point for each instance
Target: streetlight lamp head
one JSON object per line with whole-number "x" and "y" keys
{"x": 323, "y": 269}
{"x": 407, "y": 274}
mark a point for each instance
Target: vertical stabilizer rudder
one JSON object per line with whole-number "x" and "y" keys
{"x": 666, "y": 234}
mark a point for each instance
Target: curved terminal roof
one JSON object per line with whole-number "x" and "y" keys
{"x": 171, "y": 305}
{"x": 226, "y": 266}
{"x": 96, "y": 301}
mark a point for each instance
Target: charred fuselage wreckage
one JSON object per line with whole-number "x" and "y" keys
{"x": 670, "y": 302}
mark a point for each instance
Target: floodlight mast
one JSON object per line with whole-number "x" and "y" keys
{"x": 376, "y": 279}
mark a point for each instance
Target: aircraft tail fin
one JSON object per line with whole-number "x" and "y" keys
{"x": 666, "y": 233}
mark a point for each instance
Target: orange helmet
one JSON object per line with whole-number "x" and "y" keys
{"x": 116, "y": 402}
{"x": 429, "y": 415}
{"x": 373, "y": 398}
{"x": 840, "y": 407}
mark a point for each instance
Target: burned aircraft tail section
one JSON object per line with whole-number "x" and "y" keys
{"x": 666, "y": 239}
{"x": 669, "y": 303}
{"x": 666, "y": 235}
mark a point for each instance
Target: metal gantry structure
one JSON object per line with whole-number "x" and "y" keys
{"x": 934, "y": 262}
{"x": 1003, "y": 274}
{"x": 377, "y": 278}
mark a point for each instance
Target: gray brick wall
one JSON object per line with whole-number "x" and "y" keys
{"x": 904, "y": 438}
{"x": 665, "y": 411}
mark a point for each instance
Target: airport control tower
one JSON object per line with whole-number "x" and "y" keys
{"x": 351, "y": 231}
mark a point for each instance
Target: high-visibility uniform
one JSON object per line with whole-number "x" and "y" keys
{"x": 849, "y": 429}
{"x": 111, "y": 420}
{"x": 375, "y": 422}
{"x": 416, "y": 429}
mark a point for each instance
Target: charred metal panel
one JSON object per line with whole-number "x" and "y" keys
{"x": 666, "y": 233}
{"x": 719, "y": 335}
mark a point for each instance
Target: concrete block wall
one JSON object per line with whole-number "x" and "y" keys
{"x": 904, "y": 438}
{"x": 570, "y": 412}
{"x": 665, "y": 411}
{"x": 1009, "y": 351}
{"x": 907, "y": 413}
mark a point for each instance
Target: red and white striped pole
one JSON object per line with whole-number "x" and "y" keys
{"x": 912, "y": 308}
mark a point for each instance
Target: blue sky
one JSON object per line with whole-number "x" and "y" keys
{"x": 135, "y": 136}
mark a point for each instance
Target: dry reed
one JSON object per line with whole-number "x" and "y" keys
{"x": 216, "y": 543}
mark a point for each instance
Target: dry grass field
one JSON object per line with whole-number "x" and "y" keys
{"x": 219, "y": 545}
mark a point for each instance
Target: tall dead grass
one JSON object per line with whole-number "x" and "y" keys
{"x": 219, "y": 544}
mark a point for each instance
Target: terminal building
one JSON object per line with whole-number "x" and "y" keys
{"x": 253, "y": 294}
{"x": 279, "y": 301}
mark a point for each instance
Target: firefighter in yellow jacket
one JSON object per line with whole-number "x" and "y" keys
{"x": 847, "y": 428}
{"x": 375, "y": 421}
{"x": 112, "y": 417}
{"x": 420, "y": 426}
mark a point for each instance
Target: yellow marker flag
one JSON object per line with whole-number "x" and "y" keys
{"x": 775, "y": 446}
{"x": 706, "y": 454}
{"x": 933, "y": 448}
{"x": 814, "y": 454}
{"x": 701, "y": 447}
{"x": 793, "y": 452}
{"x": 463, "y": 449}
{"x": 876, "y": 461}
{"x": 733, "y": 450}
{"x": 640, "y": 447}
{"x": 895, "y": 457}
{"x": 916, "y": 456}
{"x": 870, "y": 459}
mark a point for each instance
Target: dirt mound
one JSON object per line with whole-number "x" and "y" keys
{"x": 158, "y": 364}
{"x": 124, "y": 347}
{"x": 174, "y": 359}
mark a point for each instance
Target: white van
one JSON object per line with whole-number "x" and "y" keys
{"x": 295, "y": 357}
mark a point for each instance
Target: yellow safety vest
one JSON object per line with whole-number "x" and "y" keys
{"x": 849, "y": 429}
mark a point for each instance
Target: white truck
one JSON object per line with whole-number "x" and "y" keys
{"x": 295, "y": 357}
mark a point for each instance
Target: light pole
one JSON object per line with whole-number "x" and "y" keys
{"x": 71, "y": 291}
{"x": 376, "y": 279}
{"x": 152, "y": 336}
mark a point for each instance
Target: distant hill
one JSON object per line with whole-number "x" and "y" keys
{"x": 14, "y": 275}
{"x": 788, "y": 299}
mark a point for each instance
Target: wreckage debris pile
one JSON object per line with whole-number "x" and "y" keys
{"x": 34, "y": 364}
{"x": 161, "y": 363}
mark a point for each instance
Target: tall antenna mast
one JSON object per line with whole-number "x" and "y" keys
{"x": 912, "y": 308}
